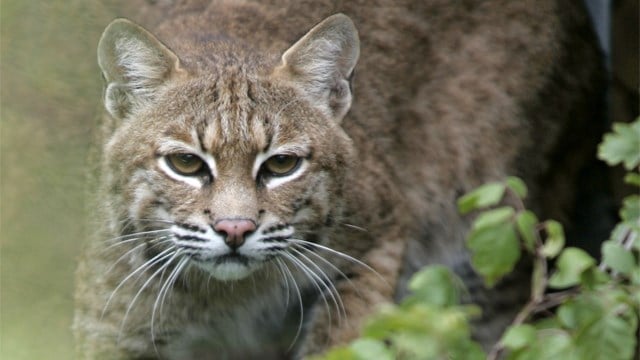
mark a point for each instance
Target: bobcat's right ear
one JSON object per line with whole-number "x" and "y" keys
{"x": 135, "y": 65}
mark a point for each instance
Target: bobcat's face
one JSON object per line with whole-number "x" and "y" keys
{"x": 231, "y": 173}
{"x": 226, "y": 165}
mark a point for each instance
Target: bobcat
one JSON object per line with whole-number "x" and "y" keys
{"x": 262, "y": 189}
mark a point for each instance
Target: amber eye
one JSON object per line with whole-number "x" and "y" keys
{"x": 281, "y": 165}
{"x": 185, "y": 164}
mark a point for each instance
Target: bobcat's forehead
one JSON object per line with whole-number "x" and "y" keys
{"x": 231, "y": 116}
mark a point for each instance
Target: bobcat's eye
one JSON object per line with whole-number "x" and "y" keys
{"x": 281, "y": 165}
{"x": 185, "y": 163}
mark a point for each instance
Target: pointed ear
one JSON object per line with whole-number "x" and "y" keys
{"x": 135, "y": 65}
{"x": 321, "y": 64}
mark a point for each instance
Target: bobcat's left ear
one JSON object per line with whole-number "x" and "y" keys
{"x": 321, "y": 64}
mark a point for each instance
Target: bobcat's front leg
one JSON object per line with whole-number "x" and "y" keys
{"x": 361, "y": 296}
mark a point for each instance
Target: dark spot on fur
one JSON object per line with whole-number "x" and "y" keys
{"x": 296, "y": 205}
{"x": 251, "y": 92}
{"x": 160, "y": 342}
{"x": 328, "y": 222}
{"x": 313, "y": 237}
{"x": 351, "y": 275}
{"x": 157, "y": 203}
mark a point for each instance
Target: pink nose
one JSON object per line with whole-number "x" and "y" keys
{"x": 234, "y": 231}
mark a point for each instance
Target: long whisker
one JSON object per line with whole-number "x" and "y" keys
{"x": 144, "y": 286}
{"x": 159, "y": 257}
{"x": 335, "y": 268}
{"x": 155, "y": 242}
{"x": 127, "y": 253}
{"x": 333, "y": 292}
{"x": 135, "y": 236}
{"x": 356, "y": 227}
{"x": 300, "y": 304}
{"x": 156, "y": 221}
{"x": 340, "y": 254}
{"x": 172, "y": 279}
{"x": 314, "y": 279}
{"x": 162, "y": 294}
{"x": 286, "y": 282}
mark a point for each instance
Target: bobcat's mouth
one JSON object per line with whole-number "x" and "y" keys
{"x": 230, "y": 266}
{"x": 233, "y": 257}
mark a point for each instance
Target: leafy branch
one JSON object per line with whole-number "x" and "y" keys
{"x": 591, "y": 310}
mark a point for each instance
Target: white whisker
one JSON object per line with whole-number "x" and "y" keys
{"x": 314, "y": 279}
{"x": 155, "y": 242}
{"x": 157, "y": 221}
{"x": 135, "y": 236}
{"x": 300, "y": 304}
{"x": 133, "y": 249}
{"x": 286, "y": 282}
{"x": 159, "y": 257}
{"x": 162, "y": 294}
{"x": 340, "y": 254}
{"x": 335, "y": 268}
{"x": 333, "y": 292}
{"x": 356, "y": 227}
{"x": 143, "y": 287}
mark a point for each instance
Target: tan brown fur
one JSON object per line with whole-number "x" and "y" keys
{"x": 446, "y": 96}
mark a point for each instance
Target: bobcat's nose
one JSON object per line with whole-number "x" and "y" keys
{"x": 234, "y": 231}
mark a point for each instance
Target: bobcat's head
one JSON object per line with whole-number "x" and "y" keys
{"x": 226, "y": 160}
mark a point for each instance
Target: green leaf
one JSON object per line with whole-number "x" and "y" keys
{"x": 618, "y": 258}
{"x": 622, "y": 231}
{"x": 494, "y": 251}
{"x": 466, "y": 350}
{"x": 554, "y": 344}
{"x": 526, "y": 222}
{"x": 622, "y": 145}
{"x": 630, "y": 211}
{"x": 339, "y": 353}
{"x": 493, "y": 217}
{"x": 594, "y": 278}
{"x": 549, "y": 344}
{"x": 602, "y": 326}
{"x": 365, "y": 349}
{"x": 555, "y": 239}
{"x": 484, "y": 196}
{"x": 390, "y": 318}
{"x": 635, "y": 279}
{"x": 435, "y": 285}
{"x": 632, "y": 179}
{"x": 571, "y": 264}
{"x": 578, "y": 313}
{"x": 518, "y": 337}
{"x": 517, "y": 186}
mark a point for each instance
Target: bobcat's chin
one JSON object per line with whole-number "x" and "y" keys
{"x": 229, "y": 267}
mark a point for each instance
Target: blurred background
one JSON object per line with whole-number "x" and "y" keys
{"x": 50, "y": 91}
